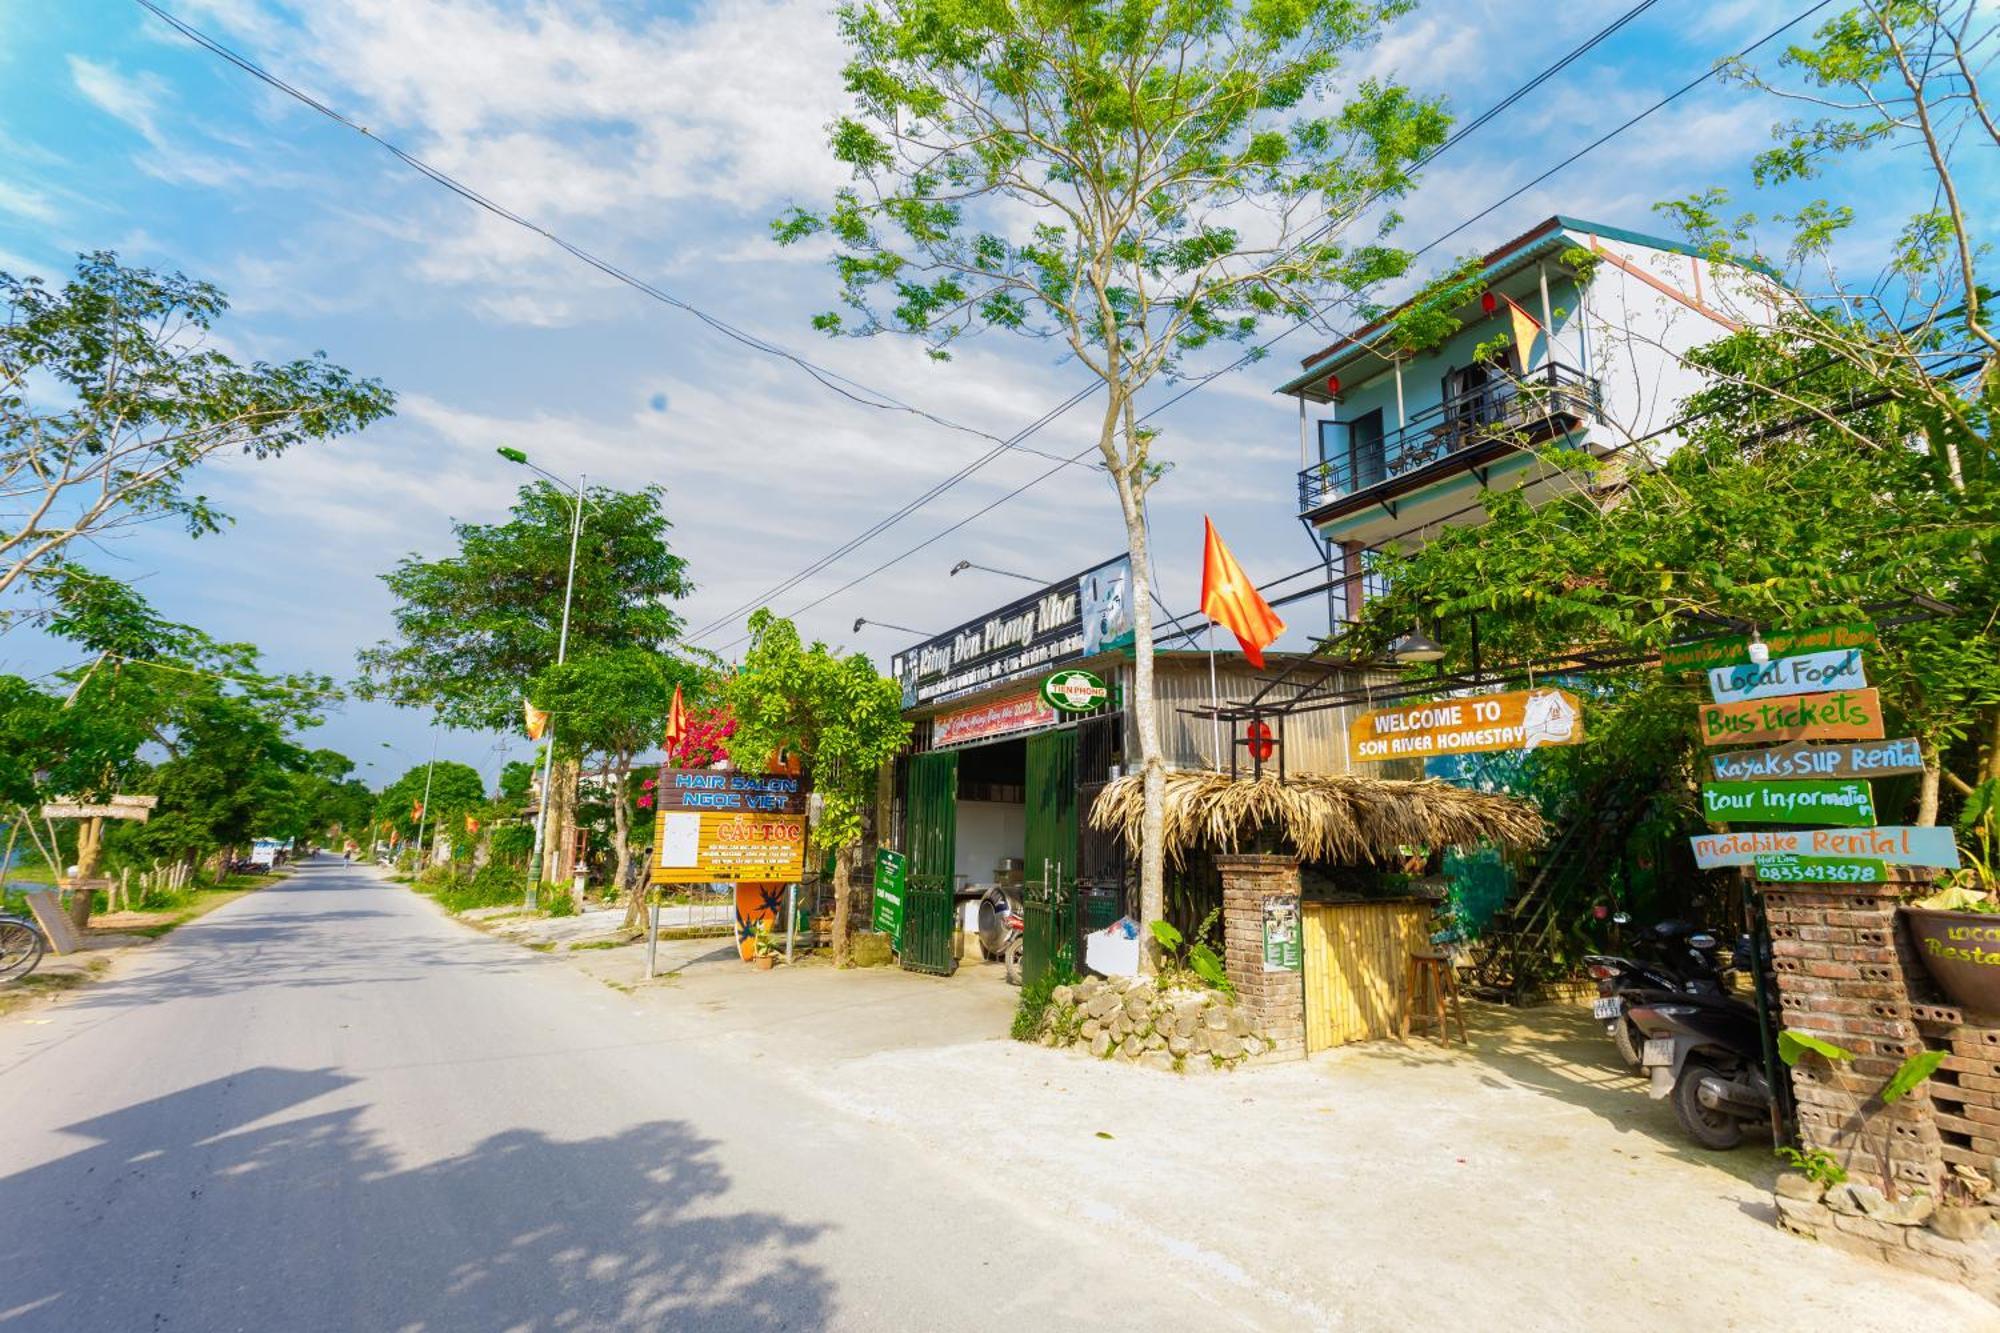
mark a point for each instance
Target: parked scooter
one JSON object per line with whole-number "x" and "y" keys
{"x": 1669, "y": 958}
{"x": 1000, "y": 929}
{"x": 1706, "y": 1053}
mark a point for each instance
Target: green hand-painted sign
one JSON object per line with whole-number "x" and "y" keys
{"x": 1845, "y": 802}
{"x": 1784, "y": 868}
{"x": 1734, "y": 649}
{"x": 891, "y": 873}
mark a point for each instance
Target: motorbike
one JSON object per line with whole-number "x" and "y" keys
{"x": 1706, "y": 1052}
{"x": 1669, "y": 958}
{"x": 1000, "y": 929}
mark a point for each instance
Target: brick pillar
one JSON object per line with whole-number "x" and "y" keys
{"x": 1845, "y": 976}
{"x": 1274, "y": 1001}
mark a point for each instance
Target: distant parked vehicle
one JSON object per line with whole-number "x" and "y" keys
{"x": 21, "y": 947}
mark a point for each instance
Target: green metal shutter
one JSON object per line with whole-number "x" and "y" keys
{"x": 1048, "y": 932}
{"x": 931, "y": 804}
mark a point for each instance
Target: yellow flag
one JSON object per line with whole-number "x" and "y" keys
{"x": 538, "y": 721}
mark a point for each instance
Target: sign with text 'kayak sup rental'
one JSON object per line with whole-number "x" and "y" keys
{"x": 1895, "y": 844}
{"x": 1734, "y": 649}
{"x": 1865, "y": 760}
{"x": 1845, "y": 801}
{"x": 1842, "y": 715}
{"x": 1808, "y": 673}
{"x": 1516, "y": 720}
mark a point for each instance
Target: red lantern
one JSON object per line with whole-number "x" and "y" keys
{"x": 1259, "y": 742}
{"x": 1333, "y": 386}
{"x": 1488, "y": 302}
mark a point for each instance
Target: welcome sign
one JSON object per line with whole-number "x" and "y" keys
{"x": 1810, "y": 673}
{"x": 1832, "y": 801}
{"x": 1515, "y": 720}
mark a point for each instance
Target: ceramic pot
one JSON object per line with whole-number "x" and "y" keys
{"x": 1961, "y": 950}
{"x": 765, "y": 962}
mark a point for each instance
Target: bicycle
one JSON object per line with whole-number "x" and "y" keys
{"x": 21, "y": 947}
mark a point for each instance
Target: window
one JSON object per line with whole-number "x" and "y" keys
{"x": 1365, "y": 464}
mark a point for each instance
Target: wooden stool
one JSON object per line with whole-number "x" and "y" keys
{"x": 1433, "y": 998}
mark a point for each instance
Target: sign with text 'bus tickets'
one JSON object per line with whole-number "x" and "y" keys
{"x": 706, "y": 847}
{"x": 1844, "y": 715}
{"x": 1516, "y": 720}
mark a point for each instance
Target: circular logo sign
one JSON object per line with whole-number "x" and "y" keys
{"x": 1074, "y": 691}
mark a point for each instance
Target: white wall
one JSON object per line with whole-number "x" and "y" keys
{"x": 987, "y": 831}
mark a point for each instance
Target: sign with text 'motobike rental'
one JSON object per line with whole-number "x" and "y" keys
{"x": 1841, "y": 715}
{"x": 705, "y": 847}
{"x": 1515, "y": 720}
{"x": 710, "y": 789}
{"x": 1847, "y": 801}
{"x": 1865, "y": 760}
{"x": 1896, "y": 845}
{"x": 1734, "y": 650}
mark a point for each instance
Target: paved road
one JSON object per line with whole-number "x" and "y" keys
{"x": 327, "y": 1106}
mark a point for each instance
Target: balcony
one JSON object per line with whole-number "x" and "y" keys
{"x": 1550, "y": 401}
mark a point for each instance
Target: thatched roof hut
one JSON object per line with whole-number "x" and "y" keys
{"x": 1326, "y": 817}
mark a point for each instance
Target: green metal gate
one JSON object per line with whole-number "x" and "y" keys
{"x": 931, "y": 804}
{"x": 1048, "y": 921}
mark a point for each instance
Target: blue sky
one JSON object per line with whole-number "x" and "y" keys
{"x": 665, "y": 137}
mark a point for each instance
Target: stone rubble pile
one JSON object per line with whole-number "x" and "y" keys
{"x": 1130, "y": 1018}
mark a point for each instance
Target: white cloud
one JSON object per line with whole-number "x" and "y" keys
{"x": 27, "y": 203}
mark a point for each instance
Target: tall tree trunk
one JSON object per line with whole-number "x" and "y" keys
{"x": 1927, "y": 785}
{"x": 1152, "y": 765}
{"x": 843, "y": 915}
{"x": 89, "y": 848}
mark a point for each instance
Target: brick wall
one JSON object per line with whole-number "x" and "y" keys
{"x": 1844, "y": 976}
{"x": 1965, "y": 1091}
{"x": 1275, "y": 1000}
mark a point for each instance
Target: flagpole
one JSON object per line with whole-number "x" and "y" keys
{"x": 1214, "y": 701}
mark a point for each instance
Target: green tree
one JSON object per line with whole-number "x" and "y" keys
{"x": 615, "y": 704}
{"x": 474, "y": 628}
{"x": 111, "y": 395}
{"x": 1136, "y": 181}
{"x": 839, "y": 715}
{"x": 455, "y": 791}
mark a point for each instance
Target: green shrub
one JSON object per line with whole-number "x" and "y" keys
{"x": 1033, "y": 1007}
{"x": 490, "y": 886}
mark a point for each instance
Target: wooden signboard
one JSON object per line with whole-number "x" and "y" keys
{"x": 1785, "y": 868}
{"x": 1516, "y": 720}
{"x": 1865, "y": 760}
{"x": 138, "y": 812}
{"x": 1808, "y": 673}
{"x": 707, "y": 789}
{"x": 695, "y": 847}
{"x": 1846, "y": 801}
{"x": 1735, "y": 648}
{"x": 46, "y": 904}
{"x": 1896, "y": 845}
{"x": 1841, "y": 715}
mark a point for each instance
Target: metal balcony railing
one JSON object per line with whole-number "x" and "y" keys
{"x": 1549, "y": 400}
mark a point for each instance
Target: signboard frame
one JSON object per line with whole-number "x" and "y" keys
{"x": 892, "y": 878}
{"x": 711, "y": 833}
{"x": 1519, "y": 720}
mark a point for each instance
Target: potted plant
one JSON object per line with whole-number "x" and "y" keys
{"x": 766, "y": 945}
{"x": 1956, "y": 930}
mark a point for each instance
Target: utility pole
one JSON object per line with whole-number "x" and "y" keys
{"x": 562, "y": 649}
{"x": 424, "y": 811}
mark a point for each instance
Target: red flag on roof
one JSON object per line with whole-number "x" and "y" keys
{"x": 1231, "y": 600}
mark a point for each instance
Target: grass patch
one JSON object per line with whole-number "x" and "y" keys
{"x": 598, "y": 944}
{"x": 199, "y": 904}
{"x": 542, "y": 946}
{"x": 20, "y": 994}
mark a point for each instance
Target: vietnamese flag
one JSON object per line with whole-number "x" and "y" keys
{"x": 537, "y": 720}
{"x": 1232, "y": 601}
{"x": 677, "y": 723}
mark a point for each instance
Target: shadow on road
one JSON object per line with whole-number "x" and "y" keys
{"x": 196, "y": 1213}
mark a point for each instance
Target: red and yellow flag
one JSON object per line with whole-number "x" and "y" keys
{"x": 1522, "y": 327}
{"x": 677, "y": 723}
{"x": 471, "y": 824}
{"x": 1231, "y": 600}
{"x": 538, "y": 721}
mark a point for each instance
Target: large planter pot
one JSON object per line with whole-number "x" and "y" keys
{"x": 1962, "y": 952}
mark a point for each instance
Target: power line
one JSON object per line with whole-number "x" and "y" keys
{"x": 844, "y": 385}
{"x": 1197, "y": 385}
{"x": 1319, "y": 313}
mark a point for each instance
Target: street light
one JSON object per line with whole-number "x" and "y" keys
{"x": 1416, "y": 646}
{"x": 859, "y": 621}
{"x": 562, "y": 650}
{"x": 964, "y": 565}
{"x": 430, "y": 766}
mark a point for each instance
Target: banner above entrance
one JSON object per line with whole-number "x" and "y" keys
{"x": 1075, "y": 617}
{"x": 1015, "y": 713}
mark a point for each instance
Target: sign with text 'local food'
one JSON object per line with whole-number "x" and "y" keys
{"x": 1809, "y": 673}
{"x": 1845, "y": 801}
{"x": 1841, "y": 715}
{"x": 1516, "y": 720}
{"x": 1896, "y": 845}
{"x": 1865, "y": 760}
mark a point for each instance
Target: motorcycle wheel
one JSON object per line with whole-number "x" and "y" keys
{"x": 1718, "y": 1131}
{"x": 1627, "y": 1040}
